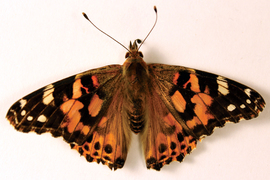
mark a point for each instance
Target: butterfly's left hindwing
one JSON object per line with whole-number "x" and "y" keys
{"x": 81, "y": 109}
{"x": 186, "y": 105}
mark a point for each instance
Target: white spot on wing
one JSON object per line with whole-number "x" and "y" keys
{"x": 47, "y": 95}
{"x": 242, "y": 106}
{"x": 248, "y": 101}
{"x": 15, "y": 115}
{"x": 231, "y": 107}
{"x": 30, "y": 118}
{"x": 222, "y": 85}
{"x": 22, "y": 103}
{"x": 16, "y": 120}
{"x": 247, "y": 91}
{"x": 42, "y": 118}
{"x": 23, "y": 112}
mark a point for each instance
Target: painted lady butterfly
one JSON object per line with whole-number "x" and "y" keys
{"x": 172, "y": 107}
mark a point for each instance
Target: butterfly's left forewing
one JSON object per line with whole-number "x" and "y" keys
{"x": 185, "y": 105}
{"x": 81, "y": 109}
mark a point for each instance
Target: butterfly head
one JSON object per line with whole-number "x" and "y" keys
{"x": 133, "y": 50}
{"x": 134, "y": 60}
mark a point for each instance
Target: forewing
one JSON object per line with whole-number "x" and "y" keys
{"x": 77, "y": 108}
{"x": 193, "y": 104}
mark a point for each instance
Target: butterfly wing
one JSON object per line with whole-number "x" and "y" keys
{"x": 186, "y": 105}
{"x": 81, "y": 109}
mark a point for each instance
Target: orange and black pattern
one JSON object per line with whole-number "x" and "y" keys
{"x": 171, "y": 107}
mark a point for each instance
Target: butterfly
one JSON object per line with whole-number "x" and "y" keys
{"x": 171, "y": 107}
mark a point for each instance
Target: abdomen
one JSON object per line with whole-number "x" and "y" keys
{"x": 135, "y": 90}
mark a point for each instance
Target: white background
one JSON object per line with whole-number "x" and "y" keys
{"x": 44, "y": 41}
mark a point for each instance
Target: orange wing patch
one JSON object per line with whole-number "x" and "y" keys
{"x": 95, "y": 81}
{"x": 71, "y": 109}
{"x": 202, "y": 101}
{"x": 83, "y": 128}
{"x": 95, "y": 105}
{"x": 175, "y": 78}
{"x": 194, "y": 83}
{"x": 178, "y": 101}
{"x": 77, "y": 85}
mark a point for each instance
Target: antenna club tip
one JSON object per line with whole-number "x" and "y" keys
{"x": 86, "y": 17}
{"x": 155, "y": 9}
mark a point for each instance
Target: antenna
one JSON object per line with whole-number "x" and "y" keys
{"x": 155, "y": 9}
{"x": 86, "y": 17}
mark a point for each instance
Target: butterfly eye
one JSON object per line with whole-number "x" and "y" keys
{"x": 140, "y": 54}
{"x": 127, "y": 55}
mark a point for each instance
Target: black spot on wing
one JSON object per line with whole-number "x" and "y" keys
{"x": 162, "y": 157}
{"x": 180, "y": 157}
{"x": 183, "y": 146}
{"x": 152, "y": 163}
{"x": 108, "y": 149}
{"x": 120, "y": 162}
{"x": 86, "y": 147}
{"x": 184, "y": 76}
{"x": 87, "y": 82}
{"x": 107, "y": 158}
{"x": 162, "y": 148}
{"x": 97, "y": 146}
{"x": 62, "y": 92}
{"x": 89, "y": 158}
{"x": 90, "y": 138}
{"x": 211, "y": 84}
{"x": 81, "y": 150}
{"x": 173, "y": 145}
{"x": 180, "y": 137}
